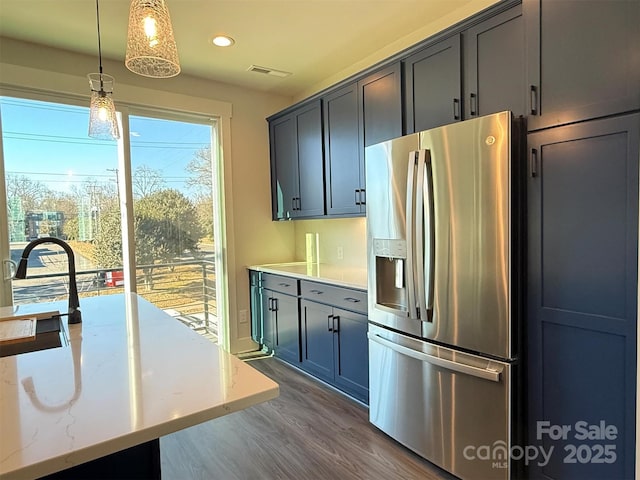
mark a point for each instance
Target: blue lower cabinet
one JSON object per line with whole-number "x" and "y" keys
{"x": 284, "y": 326}
{"x": 335, "y": 347}
{"x": 351, "y": 354}
{"x": 317, "y": 339}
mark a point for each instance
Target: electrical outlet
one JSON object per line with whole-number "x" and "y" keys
{"x": 242, "y": 314}
{"x": 340, "y": 253}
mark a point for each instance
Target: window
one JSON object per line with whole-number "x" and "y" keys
{"x": 60, "y": 183}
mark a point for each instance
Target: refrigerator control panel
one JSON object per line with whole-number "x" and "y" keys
{"x": 389, "y": 248}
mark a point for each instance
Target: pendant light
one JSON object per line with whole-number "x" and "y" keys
{"x": 151, "y": 47}
{"x": 103, "y": 123}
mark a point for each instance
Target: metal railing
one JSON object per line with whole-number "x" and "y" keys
{"x": 185, "y": 290}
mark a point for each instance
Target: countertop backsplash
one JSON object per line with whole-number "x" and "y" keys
{"x": 340, "y": 241}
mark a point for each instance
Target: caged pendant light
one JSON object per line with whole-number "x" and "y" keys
{"x": 151, "y": 47}
{"x": 103, "y": 123}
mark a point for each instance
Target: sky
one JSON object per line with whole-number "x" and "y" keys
{"x": 48, "y": 142}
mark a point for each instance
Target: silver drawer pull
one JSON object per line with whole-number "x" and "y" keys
{"x": 490, "y": 373}
{"x": 284, "y": 284}
{"x": 317, "y": 292}
{"x": 352, "y": 300}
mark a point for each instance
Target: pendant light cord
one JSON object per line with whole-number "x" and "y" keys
{"x": 99, "y": 44}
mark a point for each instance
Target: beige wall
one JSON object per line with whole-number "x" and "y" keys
{"x": 348, "y": 233}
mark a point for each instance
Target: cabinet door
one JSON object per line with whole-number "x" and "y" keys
{"x": 310, "y": 201}
{"x": 433, "y": 86}
{"x": 583, "y": 59}
{"x": 284, "y": 166}
{"x": 380, "y": 99}
{"x": 582, "y": 292}
{"x": 287, "y": 327}
{"x": 342, "y": 151}
{"x": 256, "y": 304}
{"x": 494, "y": 66}
{"x": 380, "y": 104}
{"x": 317, "y": 339}
{"x": 268, "y": 319}
{"x": 351, "y": 353}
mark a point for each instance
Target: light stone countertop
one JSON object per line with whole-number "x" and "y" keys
{"x": 350, "y": 277}
{"x": 130, "y": 374}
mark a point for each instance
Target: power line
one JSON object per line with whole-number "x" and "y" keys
{"x": 36, "y": 137}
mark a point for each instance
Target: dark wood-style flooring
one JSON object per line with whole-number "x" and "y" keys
{"x": 309, "y": 432}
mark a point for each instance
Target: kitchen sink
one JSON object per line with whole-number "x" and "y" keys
{"x": 50, "y": 333}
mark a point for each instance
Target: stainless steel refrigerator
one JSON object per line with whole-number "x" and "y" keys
{"x": 444, "y": 251}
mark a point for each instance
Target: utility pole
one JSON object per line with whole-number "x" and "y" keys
{"x": 115, "y": 170}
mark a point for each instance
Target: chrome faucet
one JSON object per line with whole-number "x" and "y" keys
{"x": 74, "y": 304}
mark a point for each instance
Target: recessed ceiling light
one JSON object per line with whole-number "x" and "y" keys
{"x": 223, "y": 41}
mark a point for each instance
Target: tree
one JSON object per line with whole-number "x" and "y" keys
{"x": 204, "y": 207}
{"x": 71, "y": 228}
{"x": 30, "y": 192}
{"x": 107, "y": 252}
{"x": 201, "y": 181}
{"x": 146, "y": 181}
{"x": 201, "y": 172}
{"x": 170, "y": 220}
{"x": 166, "y": 226}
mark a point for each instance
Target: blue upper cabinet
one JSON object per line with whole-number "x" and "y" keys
{"x": 342, "y": 151}
{"x": 494, "y": 65}
{"x": 364, "y": 112}
{"x": 433, "y": 86}
{"x": 583, "y": 59}
{"x": 297, "y": 171}
{"x": 477, "y": 70}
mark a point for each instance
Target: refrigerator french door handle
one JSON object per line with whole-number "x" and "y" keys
{"x": 484, "y": 373}
{"x": 410, "y": 232}
{"x": 429, "y": 239}
{"x": 419, "y": 255}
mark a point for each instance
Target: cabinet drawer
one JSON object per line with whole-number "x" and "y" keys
{"x": 280, "y": 283}
{"x": 354, "y": 300}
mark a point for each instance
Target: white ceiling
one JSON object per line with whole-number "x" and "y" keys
{"x": 312, "y": 39}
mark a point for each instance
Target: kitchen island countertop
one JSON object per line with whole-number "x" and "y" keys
{"x": 129, "y": 374}
{"x": 350, "y": 277}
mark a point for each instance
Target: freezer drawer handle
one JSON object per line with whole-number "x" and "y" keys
{"x": 485, "y": 373}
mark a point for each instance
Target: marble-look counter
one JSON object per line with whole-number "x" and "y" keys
{"x": 129, "y": 374}
{"x": 350, "y": 277}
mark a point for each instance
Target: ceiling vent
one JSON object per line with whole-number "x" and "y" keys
{"x": 268, "y": 71}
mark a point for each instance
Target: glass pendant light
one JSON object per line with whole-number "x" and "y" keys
{"x": 103, "y": 123}
{"x": 151, "y": 47}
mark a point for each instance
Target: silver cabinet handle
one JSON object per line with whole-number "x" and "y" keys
{"x": 533, "y": 100}
{"x": 473, "y": 104}
{"x": 485, "y": 373}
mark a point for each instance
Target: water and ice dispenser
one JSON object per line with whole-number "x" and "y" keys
{"x": 391, "y": 274}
